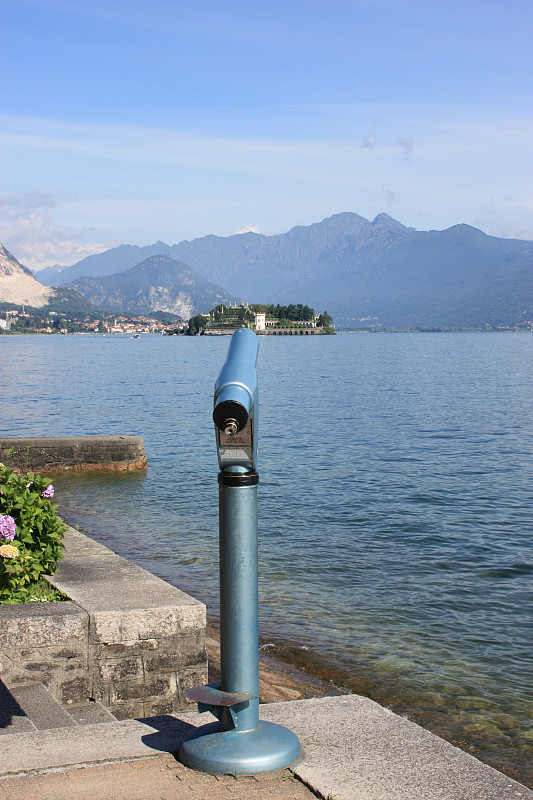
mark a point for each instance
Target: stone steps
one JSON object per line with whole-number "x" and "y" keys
{"x": 26, "y": 708}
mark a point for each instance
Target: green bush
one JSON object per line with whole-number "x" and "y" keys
{"x": 31, "y": 537}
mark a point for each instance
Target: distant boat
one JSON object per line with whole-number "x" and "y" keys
{"x": 136, "y": 335}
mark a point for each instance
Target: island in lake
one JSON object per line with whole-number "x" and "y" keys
{"x": 273, "y": 320}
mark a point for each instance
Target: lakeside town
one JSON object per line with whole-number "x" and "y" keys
{"x": 265, "y": 319}
{"x": 52, "y": 323}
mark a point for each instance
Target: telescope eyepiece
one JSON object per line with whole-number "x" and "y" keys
{"x": 231, "y": 413}
{"x": 231, "y": 427}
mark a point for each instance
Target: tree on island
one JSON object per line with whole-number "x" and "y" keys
{"x": 325, "y": 321}
{"x": 196, "y": 325}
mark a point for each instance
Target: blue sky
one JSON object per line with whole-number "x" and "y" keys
{"x": 132, "y": 121}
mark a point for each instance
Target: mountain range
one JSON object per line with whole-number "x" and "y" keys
{"x": 248, "y": 264}
{"x": 19, "y": 287}
{"x": 364, "y": 273}
{"x": 156, "y": 284}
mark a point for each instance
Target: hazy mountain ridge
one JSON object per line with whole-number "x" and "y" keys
{"x": 246, "y": 263}
{"x": 363, "y": 272}
{"x": 118, "y": 259}
{"x": 458, "y": 277}
{"x": 259, "y": 266}
{"x": 158, "y": 283}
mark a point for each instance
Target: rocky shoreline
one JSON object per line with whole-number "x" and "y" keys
{"x": 278, "y": 681}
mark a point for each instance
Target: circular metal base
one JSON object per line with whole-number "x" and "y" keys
{"x": 263, "y": 749}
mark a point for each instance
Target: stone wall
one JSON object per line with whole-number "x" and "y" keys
{"x": 125, "y": 638}
{"x": 57, "y": 453}
{"x": 46, "y": 643}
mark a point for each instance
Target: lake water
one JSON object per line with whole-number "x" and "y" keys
{"x": 395, "y": 502}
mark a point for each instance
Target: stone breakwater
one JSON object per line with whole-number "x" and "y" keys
{"x": 62, "y": 453}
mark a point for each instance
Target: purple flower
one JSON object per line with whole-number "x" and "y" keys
{"x": 48, "y": 492}
{"x": 7, "y": 527}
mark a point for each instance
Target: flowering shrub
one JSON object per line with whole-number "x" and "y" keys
{"x": 31, "y": 536}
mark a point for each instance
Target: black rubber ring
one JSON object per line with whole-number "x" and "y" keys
{"x": 238, "y": 478}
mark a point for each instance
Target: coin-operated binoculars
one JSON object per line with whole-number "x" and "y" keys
{"x": 238, "y": 742}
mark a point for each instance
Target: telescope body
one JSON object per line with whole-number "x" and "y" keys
{"x": 236, "y": 404}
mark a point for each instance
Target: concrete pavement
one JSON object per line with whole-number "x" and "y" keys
{"x": 353, "y": 750}
{"x": 160, "y": 778}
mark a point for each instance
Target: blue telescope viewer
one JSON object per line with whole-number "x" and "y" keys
{"x": 236, "y": 405}
{"x": 239, "y": 742}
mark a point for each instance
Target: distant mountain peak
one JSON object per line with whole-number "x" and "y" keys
{"x": 9, "y": 264}
{"x": 342, "y": 215}
{"x": 17, "y": 284}
{"x": 384, "y": 220}
{"x": 462, "y": 227}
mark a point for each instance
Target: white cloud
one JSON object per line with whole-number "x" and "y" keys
{"x": 406, "y": 145}
{"x": 152, "y": 183}
{"x": 248, "y": 229}
{"x": 28, "y": 230}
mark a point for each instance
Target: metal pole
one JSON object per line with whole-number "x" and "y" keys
{"x": 239, "y": 641}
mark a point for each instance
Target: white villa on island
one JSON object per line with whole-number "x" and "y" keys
{"x": 261, "y": 323}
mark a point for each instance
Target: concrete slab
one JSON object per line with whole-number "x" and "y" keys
{"x": 94, "y": 744}
{"x": 133, "y": 592}
{"x": 91, "y": 713}
{"x": 353, "y": 750}
{"x": 356, "y": 750}
{"x": 30, "y": 625}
